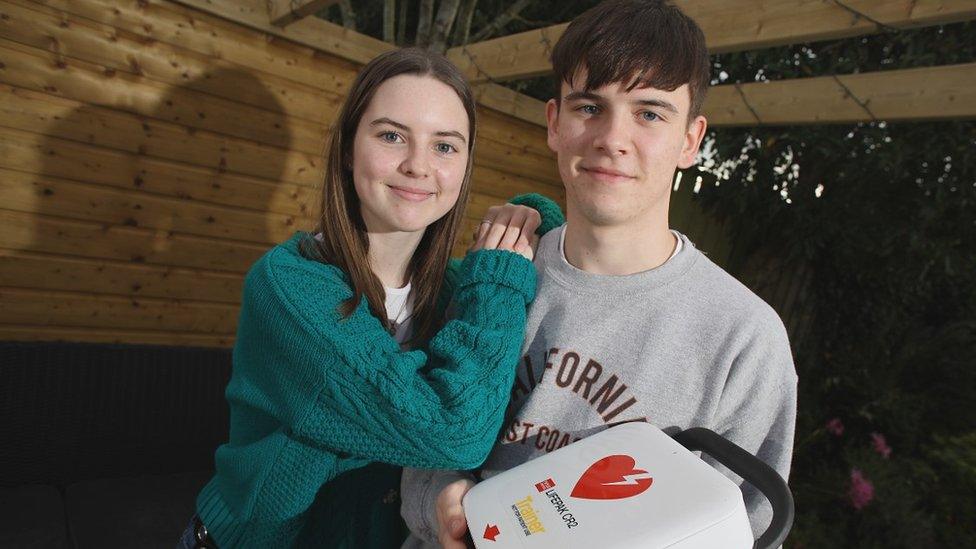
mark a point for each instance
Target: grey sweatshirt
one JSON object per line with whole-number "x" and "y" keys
{"x": 683, "y": 345}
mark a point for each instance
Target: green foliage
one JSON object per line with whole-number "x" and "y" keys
{"x": 369, "y": 16}
{"x": 885, "y": 214}
{"x": 953, "y": 464}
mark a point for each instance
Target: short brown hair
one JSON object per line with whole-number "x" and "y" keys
{"x": 647, "y": 43}
{"x": 344, "y": 240}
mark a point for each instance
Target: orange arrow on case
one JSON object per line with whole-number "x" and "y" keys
{"x": 491, "y": 531}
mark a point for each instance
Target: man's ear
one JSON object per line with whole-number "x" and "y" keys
{"x": 693, "y": 138}
{"x": 552, "y": 121}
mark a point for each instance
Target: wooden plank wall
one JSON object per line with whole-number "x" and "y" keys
{"x": 149, "y": 153}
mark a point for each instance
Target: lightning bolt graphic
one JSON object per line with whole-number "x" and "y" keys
{"x": 629, "y": 479}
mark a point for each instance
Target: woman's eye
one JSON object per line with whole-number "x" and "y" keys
{"x": 649, "y": 116}
{"x": 445, "y": 148}
{"x": 390, "y": 137}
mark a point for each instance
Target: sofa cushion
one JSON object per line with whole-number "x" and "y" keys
{"x": 72, "y": 411}
{"x": 32, "y": 517}
{"x": 142, "y": 512}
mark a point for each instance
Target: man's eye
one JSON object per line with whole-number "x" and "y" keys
{"x": 390, "y": 137}
{"x": 445, "y": 148}
{"x": 588, "y": 109}
{"x": 649, "y": 116}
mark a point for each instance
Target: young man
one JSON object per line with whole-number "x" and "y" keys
{"x": 630, "y": 321}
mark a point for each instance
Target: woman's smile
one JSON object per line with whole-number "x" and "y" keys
{"x": 412, "y": 194}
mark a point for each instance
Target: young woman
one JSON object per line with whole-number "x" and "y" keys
{"x": 344, "y": 366}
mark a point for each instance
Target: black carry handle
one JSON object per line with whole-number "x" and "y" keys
{"x": 755, "y": 471}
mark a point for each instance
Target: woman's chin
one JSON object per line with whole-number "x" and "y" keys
{"x": 402, "y": 219}
{"x": 416, "y": 222}
{"x": 411, "y": 225}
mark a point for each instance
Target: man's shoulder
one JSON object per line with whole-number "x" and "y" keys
{"x": 551, "y": 238}
{"x": 726, "y": 297}
{"x": 743, "y": 322}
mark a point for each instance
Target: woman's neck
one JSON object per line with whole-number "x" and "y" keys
{"x": 390, "y": 255}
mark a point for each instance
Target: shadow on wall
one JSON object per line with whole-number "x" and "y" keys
{"x": 150, "y": 223}
{"x": 178, "y": 171}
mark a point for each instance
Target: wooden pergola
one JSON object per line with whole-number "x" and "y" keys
{"x": 152, "y": 150}
{"x": 928, "y": 93}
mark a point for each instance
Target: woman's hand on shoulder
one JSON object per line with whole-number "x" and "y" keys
{"x": 508, "y": 227}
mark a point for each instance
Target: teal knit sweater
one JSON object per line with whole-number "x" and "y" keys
{"x": 320, "y": 404}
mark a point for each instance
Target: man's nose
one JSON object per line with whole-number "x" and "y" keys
{"x": 613, "y": 136}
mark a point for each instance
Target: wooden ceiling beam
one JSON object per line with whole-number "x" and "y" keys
{"x": 358, "y": 48}
{"x": 310, "y": 31}
{"x": 285, "y": 12}
{"x": 911, "y": 94}
{"x": 728, "y": 26}
{"x": 927, "y": 93}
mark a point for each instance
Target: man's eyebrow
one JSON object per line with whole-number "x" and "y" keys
{"x": 395, "y": 124}
{"x": 573, "y": 96}
{"x": 658, "y": 103}
{"x": 590, "y": 96}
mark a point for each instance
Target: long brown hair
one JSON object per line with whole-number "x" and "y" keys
{"x": 344, "y": 240}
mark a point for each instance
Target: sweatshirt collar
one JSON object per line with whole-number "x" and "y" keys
{"x": 552, "y": 261}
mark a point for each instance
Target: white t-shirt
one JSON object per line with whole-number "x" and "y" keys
{"x": 399, "y": 309}
{"x": 677, "y": 247}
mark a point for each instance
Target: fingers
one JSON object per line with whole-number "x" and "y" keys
{"x": 482, "y": 229}
{"x": 532, "y": 221}
{"x": 528, "y": 241}
{"x": 478, "y": 237}
{"x": 514, "y": 229}
{"x": 496, "y": 232}
{"x": 494, "y": 216}
{"x": 525, "y": 248}
{"x": 453, "y": 536}
{"x": 509, "y": 227}
{"x": 452, "y": 526}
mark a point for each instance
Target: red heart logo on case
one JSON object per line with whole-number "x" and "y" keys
{"x": 613, "y": 477}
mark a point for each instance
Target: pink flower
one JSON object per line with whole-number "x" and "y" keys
{"x": 880, "y": 445}
{"x": 861, "y": 491}
{"x": 835, "y": 427}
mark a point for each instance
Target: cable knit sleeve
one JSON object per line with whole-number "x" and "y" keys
{"x": 364, "y": 396}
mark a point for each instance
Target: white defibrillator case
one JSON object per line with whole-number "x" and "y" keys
{"x": 630, "y": 486}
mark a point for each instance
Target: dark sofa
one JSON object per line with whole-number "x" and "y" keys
{"x": 106, "y": 445}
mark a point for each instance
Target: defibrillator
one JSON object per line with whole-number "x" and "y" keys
{"x": 629, "y": 486}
